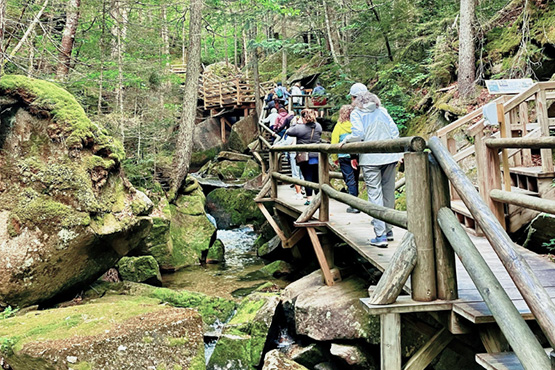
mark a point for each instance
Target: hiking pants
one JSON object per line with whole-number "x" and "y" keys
{"x": 380, "y": 184}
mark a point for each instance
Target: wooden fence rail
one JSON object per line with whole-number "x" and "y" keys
{"x": 525, "y": 280}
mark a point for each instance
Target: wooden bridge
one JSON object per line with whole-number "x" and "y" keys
{"x": 494, "y": 288}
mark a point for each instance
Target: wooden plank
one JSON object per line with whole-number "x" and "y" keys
{"x": 294, "y": 238}
{"x": 328, "y": 277}
{"x": 524, "y": 120}
{"x": 501, "y": 361}
{"x": 493, "y": 339}
{"x": 405, "y": 304}
{"x": 390, "y": 338}
{"x": 425, "y": 355}
{"x": 324, "y": 179}
{"x": 505, "y": 133}
{"x": 272, "y": 222}
{"x": 479, "y": 313}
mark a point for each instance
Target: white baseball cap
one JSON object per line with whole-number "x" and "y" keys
{"x": 358, "y": 89}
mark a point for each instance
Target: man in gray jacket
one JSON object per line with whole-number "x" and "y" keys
{"x": 371, "y": 122}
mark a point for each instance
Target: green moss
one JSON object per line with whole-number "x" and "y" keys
{"x": 252, "y": 169}
{"x": 210, "y": 308}
{"x": 198, "y": 159}
{"x": 83, "y": 366}
{"x": 42, "y": 211}
{"x": 64, "y": 323}
{"x": 192, "y": 204}
{"x": 199, "y": 361}
{"x": 216, "y": 253}
{"x": 176, "y": 342}
{"x": 237, "y": 205}
{"x": 138, "y": 269}
{"x": 94, "y": 161}
{"x": 148, "y": 340}
{"x": 77, "y": 129}
{"x": 274, "y": 269}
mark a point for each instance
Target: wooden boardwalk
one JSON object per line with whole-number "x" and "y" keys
{"x": 356, "y": 231}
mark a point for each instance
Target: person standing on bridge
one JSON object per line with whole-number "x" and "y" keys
{"x": 307, "y": 132}
{"x": 371, "y": 122}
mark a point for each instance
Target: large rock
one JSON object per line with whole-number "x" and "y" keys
{"x": 112, "y": 333}
{"x": 331, "y": 312}
{"x": 181, "y": 233}
{"x": 67, "y": 213}
{"x": 143, "y": 269}
{"x": 234, "y": 207}
{"x": 352, "y": 357}
{"x": 243, "y": 132}
{"x": 541, "y": 234}
{"x": 244, "y": 338}
{"x": 276, "y": 360}
{"x": 207, "y": 142}
{"x": 230, "y": 170}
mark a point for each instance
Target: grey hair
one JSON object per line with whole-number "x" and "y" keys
{"x": 366, "y": 98}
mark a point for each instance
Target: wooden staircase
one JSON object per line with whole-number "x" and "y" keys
{"x": 525, "y": 176}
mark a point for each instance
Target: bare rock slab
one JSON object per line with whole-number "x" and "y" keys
{"x": 276, "y": 360}
{"x": 113, "y": 333}
{"x": 328, "y": 313}
{"x": 352, "y": 357}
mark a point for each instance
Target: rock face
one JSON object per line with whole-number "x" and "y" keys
{"x": 143, "y": 269}
{"x": 329, "y": 313}
{"x": 242, "y": 134}
{"x": 234, "y": 207}
{"x": 67, "y": 213}
{"x": 541, "y": 234}
{"x": 243, "y": 339}
{"x": 275, "y": 360}
{"x": 113, "y": 333}
{"x": 352, "y": 357}
{"x": 181, "y": 233}
{"x": 231, "y": 170}
{"x": 207, "y": 142}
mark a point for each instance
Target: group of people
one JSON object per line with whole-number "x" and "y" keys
{"x": 278, "y": 97}
{"x": 362, "y": 120}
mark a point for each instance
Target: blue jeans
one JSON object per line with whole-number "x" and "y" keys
{"x": 350, "y": 175}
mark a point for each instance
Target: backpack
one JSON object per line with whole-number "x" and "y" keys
{"x": 279, "y": 93}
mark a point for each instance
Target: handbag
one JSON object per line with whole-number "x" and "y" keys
{"x": 303, "y": 156}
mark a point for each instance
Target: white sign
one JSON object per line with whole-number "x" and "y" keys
{"x": 508, "y": 86}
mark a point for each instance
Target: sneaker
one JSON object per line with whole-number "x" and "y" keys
{"x": 307, "y": 203}
{"x": 292, "y": 186}
{"x": 298, "y": 196}
{"x": 379, "y": 241}
{"x": 389, "y": 236}
{"x": 352, "y": 210}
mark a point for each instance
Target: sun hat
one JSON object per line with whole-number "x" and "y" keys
{"x": 358, "y": 89}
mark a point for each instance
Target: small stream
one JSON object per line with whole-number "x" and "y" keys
{"x": 223, "y": 279}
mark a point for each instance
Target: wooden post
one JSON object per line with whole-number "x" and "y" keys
{"x": 328, "y": 278}
{"x": 324, "y": 178}
{"x": 543, "y": 120}
{"x": 446, "y": 271}
{"x": 517, "y": 332}
{"x": 524, "y": 120}
{"x": 222, "y": 128}
{"x": 535, "y": 295}
{"x": 493, "y": 181}
{"x": 390, "y": 337}
{"x": 505, "y": 133}
{"x": 481, "y": 164}
{"x": 419, "y": 222}
{"x": 451, "y": 145}
{"x": 273, "y": 168}
{"x": 398, "y": 271}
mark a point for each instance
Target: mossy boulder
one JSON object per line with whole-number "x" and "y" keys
{"x": 234, "y": 207}
{"x": 275, "y": 360}
{"x": 143, "y": 269}
{"x": 244, "y": 338}
{"x": 207, "y": 142}
{"x": 67, "y": 212}
{"x": 273, "y": 270}
{"x": 181, "y": 233}
{"x": 243, "y": 132}
{"x": 216, "y": 253}
{"x": 114, "y": 332}
{"x": 231, "y": 170}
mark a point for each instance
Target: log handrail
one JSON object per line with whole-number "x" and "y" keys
{"x": 526, "y": 281}
{"x": 400, "y": 145}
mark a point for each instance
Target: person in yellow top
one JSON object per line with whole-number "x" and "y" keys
{"x": 347, "y": 162}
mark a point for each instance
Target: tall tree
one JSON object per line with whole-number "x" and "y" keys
{"x": 185, "y": 136}
{"x": 68, "y": 38}
{"x": 467, "y": 59}
{"x": 3, "y": 4}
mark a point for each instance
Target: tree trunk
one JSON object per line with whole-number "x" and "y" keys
{"x": 2, "y": 29}
{"x": 283, "y": 53}
{"x": 185, "y": 136}
{"x": 245, "y": 55}
{"x": 235, "y": 59}
{"x": 68, "y": 38}
{"x": 164, "y": 32}
{"x": 183, "y": 48}
{"x": 331, "y": 37}
{"x": 256, "y": 77}
{"x": 467, "y": 60}
{"x": 386, "y": 39}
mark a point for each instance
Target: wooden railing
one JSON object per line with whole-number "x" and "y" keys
{"x": 434, "y": 236}
{"x": 219, "y": 92}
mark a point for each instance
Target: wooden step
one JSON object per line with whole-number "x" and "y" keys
{"x": 535, "y": 171}
{"x": 501, "y": 360}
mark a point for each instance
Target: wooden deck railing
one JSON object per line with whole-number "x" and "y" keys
{"x": 220, "y": 92}
{"x": 434, "y": 235}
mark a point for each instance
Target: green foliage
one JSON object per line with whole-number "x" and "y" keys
{"x": 8, "y": 312}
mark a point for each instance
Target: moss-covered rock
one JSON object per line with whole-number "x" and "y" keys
{"x": 234, "y": 207}
{"x": 251, "y": 170}
{"x": 242, "y": 134}
{"x": 68, "y": 214}
{"x": 143, "y": 269}
{"x": 216, "y": 253}
{"x": 277, "y": 360}
{"x": 275, "y": 269}
{"x": 243, "y": 339}
{"x": 113, "y": 332}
